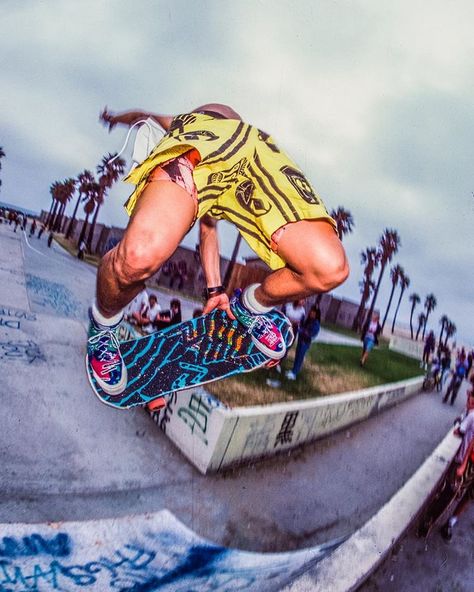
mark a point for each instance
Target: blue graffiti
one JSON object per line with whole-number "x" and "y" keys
{"x": 35, "y": 544}
{"x": 53, "y": 296}
{"x": 123, "y": 571}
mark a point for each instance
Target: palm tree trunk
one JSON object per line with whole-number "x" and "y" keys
{"x": 389, "y": 304}
{"x": 52, "y": 215}
{"x": 374, "y": 298}
{"x": 424, "y": 325}
{"x": 411, "y": 319}
{"x": 83, "y": 230}
{"x": 92, "y": 226}
{"x": 418, "y": 331}
{"x": 71, "y": 221}
{"x": 48, "y": 217}
{"x": 396, "y": 310}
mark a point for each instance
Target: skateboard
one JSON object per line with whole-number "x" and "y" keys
{"x": 191, "y": 354}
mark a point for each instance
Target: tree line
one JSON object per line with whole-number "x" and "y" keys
{"x": 91, "y": 192}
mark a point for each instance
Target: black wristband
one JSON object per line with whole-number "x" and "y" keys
{"x": 214, "y": 291}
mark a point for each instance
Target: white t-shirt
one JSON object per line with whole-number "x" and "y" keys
{"x": 137, "y": 305}
{"x": 296, "y": 314}
{"x": 153, "y": 312}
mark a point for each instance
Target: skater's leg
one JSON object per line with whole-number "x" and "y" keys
{"x": 162, "y": 217}
{"x": 315, "y": 259}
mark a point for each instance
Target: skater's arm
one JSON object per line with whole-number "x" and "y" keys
{"x": 130, "y": 117}
{"x": 210, "y": 260}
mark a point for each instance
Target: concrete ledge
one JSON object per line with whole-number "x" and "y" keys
{"x": 352, "y": 563}
{"x": 214, "y": 437}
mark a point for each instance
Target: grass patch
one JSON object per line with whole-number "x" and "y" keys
{"x": 328, "y": 369}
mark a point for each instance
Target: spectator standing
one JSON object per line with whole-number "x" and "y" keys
{"x": 430, "y": 344}
{"x": 370, "y": 337}
{"x": 459, "y": 373}
{"x": 296, "y": 313}
{"x": 307, "y": 331}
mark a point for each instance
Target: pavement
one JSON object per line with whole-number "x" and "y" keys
{"x": 67, "y": 457}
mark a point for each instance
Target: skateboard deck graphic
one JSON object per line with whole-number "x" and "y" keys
{"x": 190, "y": 354}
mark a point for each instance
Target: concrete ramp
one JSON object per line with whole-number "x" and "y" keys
{"x": 139, "y": 553}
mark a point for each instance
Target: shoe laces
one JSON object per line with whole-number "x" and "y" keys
{"x": 110, "y": 360}
{"x": 265, "y": 326}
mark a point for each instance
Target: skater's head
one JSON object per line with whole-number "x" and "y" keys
{"x": 152, "y": 299}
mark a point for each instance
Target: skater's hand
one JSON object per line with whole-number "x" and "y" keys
{"x": 220, "y": 301}
{"x": 108, "y": 119}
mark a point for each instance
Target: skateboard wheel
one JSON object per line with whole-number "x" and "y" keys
{"x": 157, "y": 404}
{"x": 272, "y": 363}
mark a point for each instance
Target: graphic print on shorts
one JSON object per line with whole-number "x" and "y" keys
{"x": 300, "y": 183}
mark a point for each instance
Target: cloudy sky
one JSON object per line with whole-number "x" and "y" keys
{"x": 373, "y": 99}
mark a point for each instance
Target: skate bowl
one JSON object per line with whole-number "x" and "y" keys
{"x": 148, "y": 552}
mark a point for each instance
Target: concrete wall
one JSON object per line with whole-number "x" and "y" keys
{"x": 214, "y": 437}
{"x": 406, "y": 346}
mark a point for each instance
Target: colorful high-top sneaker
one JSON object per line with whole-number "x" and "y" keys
{"x": 104, "y": 358}
{"x": 265, "y": 334}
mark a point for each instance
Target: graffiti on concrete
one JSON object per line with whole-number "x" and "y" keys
{"x": 34, "y": 545}
{"x": 53, "y": 296}
{"x": 285, "y": 435}
{"x": 164, "y": 556}
{"x": 11, "y": 318}
{"x": 123, "y": 570}
{"x": 196, "y": 415}
{"x": 194, "y": 410}
{"x": 25, "y": 351}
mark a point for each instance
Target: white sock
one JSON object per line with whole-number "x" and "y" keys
{"x": 105, "y": 321}
{"x": 249, "y": 300}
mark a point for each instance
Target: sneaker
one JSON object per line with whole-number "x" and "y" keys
{"x": 273, "y": 383}
{"x": 265, "y": 334}
{"x": 105, "y": 360}
{"x": 290, "y": 375}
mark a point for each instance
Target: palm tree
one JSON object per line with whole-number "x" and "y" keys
{"x": 90, "y": 199}
{"x": 395, "y": 275}
{"x": 414, "y": 299}
{"x": 65, "y": 193}
{"x": 388, "y": 246}
{"x": 370, "y": 259}
{"x": 344, "y": 221}
{"x": 404, "y": 284}
{"x": 83, "y": 179}
{"x": 109, "y": 170}
{"x": 450, "y": 331}
{"x": 421, "y": 323}
{"x": 54, "y": 189}
{"x": 443, "y": 321}
{"x": 430, "y": 305}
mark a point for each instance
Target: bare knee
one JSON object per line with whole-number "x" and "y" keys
{"x": 133, "y": 264}
{"x": 328, "y": 273}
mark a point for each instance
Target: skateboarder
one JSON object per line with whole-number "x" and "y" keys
{"x": 211, "y": 165}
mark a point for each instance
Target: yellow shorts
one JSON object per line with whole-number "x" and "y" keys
{"x": 241, "y": 176}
